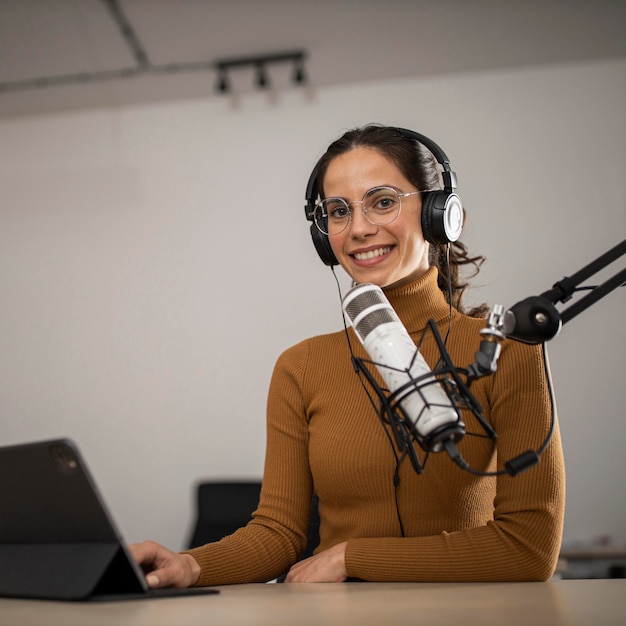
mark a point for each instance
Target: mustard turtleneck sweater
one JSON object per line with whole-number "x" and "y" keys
{"x": 323, "y": 436}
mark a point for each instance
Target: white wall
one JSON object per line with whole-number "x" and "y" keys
{"x": 154, "y": 261}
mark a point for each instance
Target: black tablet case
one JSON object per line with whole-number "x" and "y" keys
{"x": 57, "y": 539}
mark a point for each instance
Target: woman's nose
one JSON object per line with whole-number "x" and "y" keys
{"x": 359, "y": 224}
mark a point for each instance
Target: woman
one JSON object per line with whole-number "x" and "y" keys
{"x": 379, "y": 519}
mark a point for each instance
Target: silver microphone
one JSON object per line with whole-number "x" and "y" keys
{"x": 431, "y": 415}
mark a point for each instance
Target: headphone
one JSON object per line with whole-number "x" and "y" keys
{"x": 442, "y": 212}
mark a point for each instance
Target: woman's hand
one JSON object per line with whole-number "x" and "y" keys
{"x": 163, "y": 567}
{"x": 326, "y": 567}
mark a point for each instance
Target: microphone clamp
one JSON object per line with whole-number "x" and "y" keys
{"x": 486, "y": 362}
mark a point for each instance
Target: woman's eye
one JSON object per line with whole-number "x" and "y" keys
{"x": 384, "y": 203}
{"x": 338, "y": 211}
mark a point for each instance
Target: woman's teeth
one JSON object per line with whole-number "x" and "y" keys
{"x": 363, "y": 256}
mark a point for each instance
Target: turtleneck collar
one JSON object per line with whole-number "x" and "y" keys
{"x": 418, "y": 301}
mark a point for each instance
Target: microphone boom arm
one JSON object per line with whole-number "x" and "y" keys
{"x": 536, "y": 319}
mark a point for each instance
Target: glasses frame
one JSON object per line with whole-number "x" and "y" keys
{"x": 364, "y": 210}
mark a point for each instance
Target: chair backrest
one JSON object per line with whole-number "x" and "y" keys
{"x": 222, "y": 508}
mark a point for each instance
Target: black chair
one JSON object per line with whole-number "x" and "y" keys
{"x": 222, "y": 508}
{"x": 313, "y": 533}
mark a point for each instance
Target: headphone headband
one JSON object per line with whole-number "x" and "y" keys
{"x": 448, "y": 176}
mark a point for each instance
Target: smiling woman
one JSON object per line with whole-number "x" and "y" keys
{"x": 383, "y": 215}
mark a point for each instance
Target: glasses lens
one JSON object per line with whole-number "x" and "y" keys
{"x": 332, "y": 215}
{"x": 381, "y": 205}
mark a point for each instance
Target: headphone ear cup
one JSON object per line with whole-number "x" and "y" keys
{"x": 322, "y": 245}
{"x": 442, "y": 216}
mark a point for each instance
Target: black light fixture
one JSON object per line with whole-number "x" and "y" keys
{"x": 299, "y": 75}
{"x": 223, "y": 86}
{"x": 260, "y": 65}
{"x": 262, "y": 79}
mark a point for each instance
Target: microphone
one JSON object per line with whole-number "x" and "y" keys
{"x": 429, "y": 413}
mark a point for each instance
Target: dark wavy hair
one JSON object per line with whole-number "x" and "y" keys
{"x": 419, "y": 166}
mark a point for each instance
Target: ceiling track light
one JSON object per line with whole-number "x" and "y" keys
{"x": 262, "y": 79}
{"x": 223, "y": 86}
{"x": 260, "y": 64}
{"x": 299, "y": 75}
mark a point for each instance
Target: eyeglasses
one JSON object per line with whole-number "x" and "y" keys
{"x": 380, "y": 206}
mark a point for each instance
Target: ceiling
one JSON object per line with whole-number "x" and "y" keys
{"x": 58, "y": 55}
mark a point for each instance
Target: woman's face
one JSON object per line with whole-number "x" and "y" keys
{"x": 383, "y": 255}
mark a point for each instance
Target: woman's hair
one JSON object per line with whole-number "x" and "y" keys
{"x": 419, "y": 166}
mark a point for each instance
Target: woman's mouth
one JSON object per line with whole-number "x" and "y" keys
{"x": 371, "y": 254}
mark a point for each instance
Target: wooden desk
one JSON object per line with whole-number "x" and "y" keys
{"x": 558, "y": 603}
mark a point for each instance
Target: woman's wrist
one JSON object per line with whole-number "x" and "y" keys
{"x": 194, "y": 568}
